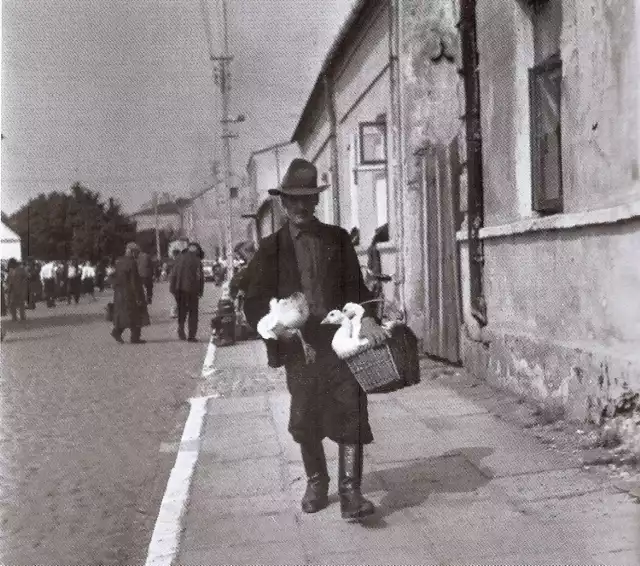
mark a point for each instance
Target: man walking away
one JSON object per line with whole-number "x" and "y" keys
{"x": 73, "y": 277}
{"x": 187, "y": 286}
{"x": 48, "y": 278}
{"x": 145, "y": 269}
{"x": 89, "y": 279}
{"x": 17, "y": 289}
{"x": 129, "y": 305}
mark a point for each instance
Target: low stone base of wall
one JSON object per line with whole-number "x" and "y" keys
{"x": 576, "y": 382}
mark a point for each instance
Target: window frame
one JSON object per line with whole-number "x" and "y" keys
{"x": 540, "y": 202}
{"x": 361, "y": 127}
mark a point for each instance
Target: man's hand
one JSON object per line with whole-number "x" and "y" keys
{"x": 283, "y": 332}
{"x": 373, "y": 332}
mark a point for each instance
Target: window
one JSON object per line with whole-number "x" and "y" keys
{"x": 545, "y": 80}
{"x": 373, "y": 143}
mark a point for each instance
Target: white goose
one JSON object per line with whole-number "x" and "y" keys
{"x": 345, "y": 342}
{"x": 291, "y": 313}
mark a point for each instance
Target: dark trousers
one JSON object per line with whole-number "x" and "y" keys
{"x": 148, "y": 288}
{"x": 327, "y": 401}
{"x": 50, "y": 291}
{"x": 15, "y": 307}
{"x": 74, "y": 290}
{"x": 188, "y": 306}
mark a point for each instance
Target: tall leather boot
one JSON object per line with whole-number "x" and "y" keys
{"x": 353, "y": 505}
{"x": 315, "y": 465}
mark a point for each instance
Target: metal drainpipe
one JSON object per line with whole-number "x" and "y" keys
{"x": 397, "y": 169}
{"x": 335, "y": 158}
{"x": 475, "y": 206}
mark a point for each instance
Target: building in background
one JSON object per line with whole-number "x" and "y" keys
{"x": 170, "y": 216}
{"x": 10, "y": 243}
{"x": 265, "y": 170}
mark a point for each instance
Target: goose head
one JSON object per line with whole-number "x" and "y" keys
{"x": 353, "y": 310}
{"x": 334, "y": 317}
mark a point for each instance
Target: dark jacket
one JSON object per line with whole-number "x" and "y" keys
{"x": 145, "y": 267}
{"x": 129, "y": 303}
{"x": 17, "y": 285}
{"x": 274, "y": 274}
{"x": 187, "y": 275}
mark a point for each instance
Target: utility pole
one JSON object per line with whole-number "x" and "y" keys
{"x": 225, "y": 88}
{"x": 222, "y": 76}
{"x": 157, "y": 222}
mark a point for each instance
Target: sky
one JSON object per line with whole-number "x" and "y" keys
{"x": 119, "y": 94}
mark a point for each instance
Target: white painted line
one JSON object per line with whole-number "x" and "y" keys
{"x": 165, "y": 539}
{"x": 208, "y": 366}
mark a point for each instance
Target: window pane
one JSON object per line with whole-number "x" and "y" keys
{"x": 546, "y": 136}
{"x": 372, "y": 140}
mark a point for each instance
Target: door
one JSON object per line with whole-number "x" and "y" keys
{"x": 440, "y": 168}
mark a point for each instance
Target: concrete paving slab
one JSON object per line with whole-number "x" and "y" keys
{"x": 622, "y": 557}
{"x": 240, "y": 436}
{"x": 546, "y": 485}
{"x": 485, "y": 430}
{"x": 235, "y": 405}
{"x": 234, "y": 479}
{"x": 337, "y": 535}
{"x": 378, "y": 557}
{"x": 501, "y": 462}
{"x": 449, "y": 405}
{"x": 220, "y": 532}
{"x": 252, "y": 505}
{"x": 283, "y": 554}
{"x": 582, "y": 519}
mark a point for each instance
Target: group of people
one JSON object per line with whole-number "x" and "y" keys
{"x": 133, "y": 291}
{"x": 25, "y": 284}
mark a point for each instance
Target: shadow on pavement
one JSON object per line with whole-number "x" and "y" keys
{"x": 411, "y": 485}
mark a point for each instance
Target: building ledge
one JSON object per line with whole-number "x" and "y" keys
{"x": 613, "y": 215}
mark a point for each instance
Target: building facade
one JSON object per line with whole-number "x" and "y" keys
{"x": 265, "y": 170}
{"x": 560, "y": 125}
{"x": 343, "y": 130}
{"x": 501, "y": 143}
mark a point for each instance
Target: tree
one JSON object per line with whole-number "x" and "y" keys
{"x": 60, "y": 226}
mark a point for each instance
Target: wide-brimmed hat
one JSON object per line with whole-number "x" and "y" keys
{"x": 301, "y": 179}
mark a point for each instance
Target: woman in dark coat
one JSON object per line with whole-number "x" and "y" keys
{"x": 129, "y": 303}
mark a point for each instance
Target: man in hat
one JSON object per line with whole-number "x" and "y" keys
{"x": 187, "y": 286}
{"x": 326, "y": 401}
{"x": 129, "y": 302}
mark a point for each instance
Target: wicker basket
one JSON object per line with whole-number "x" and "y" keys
{"x": 390, "y": 366}
{"x": 375, "y": 369}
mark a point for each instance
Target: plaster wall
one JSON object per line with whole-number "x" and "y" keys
{"x": 599, "y": 85}
{"x": 374, "y": 102}
{"x": 432, "y": 98}
{"x": 562, "y": 309}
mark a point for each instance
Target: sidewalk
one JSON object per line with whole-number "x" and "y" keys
{"x": 453, "y": 484}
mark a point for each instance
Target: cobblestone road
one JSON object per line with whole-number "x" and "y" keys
{"x": 82, "y": 472}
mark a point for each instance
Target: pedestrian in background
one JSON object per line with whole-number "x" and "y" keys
{"x": 17, "y": 289}
{"x": 187, "y": 286}
{"x": 129, "y": 303}
{"x": 73, "y": 282}
{"x": 35, "y": 287}
{"x": 89, "y": 279}
{"x": 48, "y": 278}
{"x": 100, "y": 275}
{"x": 145, "y": 269}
